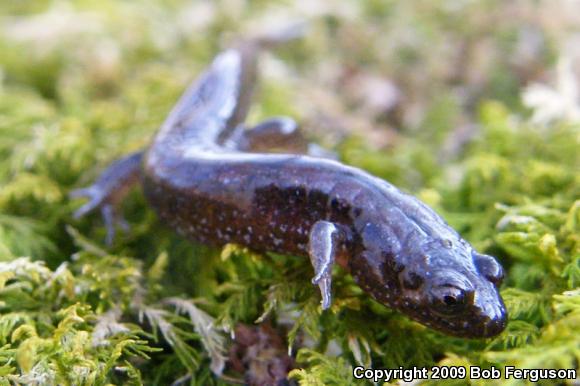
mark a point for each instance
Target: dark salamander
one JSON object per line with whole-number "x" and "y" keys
{"x": 203, "y": 180}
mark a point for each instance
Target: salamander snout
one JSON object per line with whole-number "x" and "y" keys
{"x": 494, "y": 326}
{"x": 490, "y": 315}
{"x": 465, "y": 305}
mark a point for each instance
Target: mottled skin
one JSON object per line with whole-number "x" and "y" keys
{"x": 397, "y": 249}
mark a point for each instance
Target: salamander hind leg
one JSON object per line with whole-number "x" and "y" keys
{"x": 280, "y": 134}
{"x": 323, "y": 246}
{"x": 108, "y": 192}
{"x": 275, "y": 134}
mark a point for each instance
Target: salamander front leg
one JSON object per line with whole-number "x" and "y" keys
{"x": 325, "y": 239}
{"x": 108, "y": 192}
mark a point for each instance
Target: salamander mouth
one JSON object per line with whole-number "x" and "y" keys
{"x": 472, "y": 325}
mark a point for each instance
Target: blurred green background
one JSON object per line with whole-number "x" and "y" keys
{"x": 473, "y": 106}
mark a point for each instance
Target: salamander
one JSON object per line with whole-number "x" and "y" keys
{"x": 205, "y": 179}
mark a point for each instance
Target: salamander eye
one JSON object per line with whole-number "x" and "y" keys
{"x": 450, "y": 300}
{"x": 489, "y": 267}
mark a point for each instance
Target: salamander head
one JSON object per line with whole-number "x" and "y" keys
{"x": 443, "y": 284}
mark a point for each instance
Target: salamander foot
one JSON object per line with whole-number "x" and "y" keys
{"x": 108, "y": 192}
{"x": 325, "y": 238}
